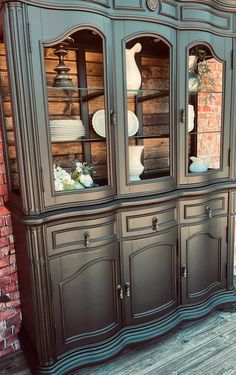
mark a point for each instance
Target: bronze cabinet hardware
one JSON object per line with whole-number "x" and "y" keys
{"x": 120, "y": 291}
{"x": 182, "y": 116}
{"x": 86, "y": 239}
{"x": 127, "y": 289}
{"x": 184, "y": 271}
{"x": 209, "y": 212}
{"x": 155, "y": 224}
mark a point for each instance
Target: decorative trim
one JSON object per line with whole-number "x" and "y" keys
{"x": 152, "y": 4}
{"x": 138, "y": 6}
{"x": 191, "y": 18}
{"x": 164, "y": 11}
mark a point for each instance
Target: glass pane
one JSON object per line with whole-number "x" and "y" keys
{"x": 9, "y": 124}
{"x": 77, "y": 115}
{"x": 205, "y": 104}
{"x": 148, "y": 102}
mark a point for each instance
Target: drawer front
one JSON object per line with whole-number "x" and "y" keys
{"x": 148, "y": 221}
{"x": 195, "y": 209}
{"x": 80, "y": 234}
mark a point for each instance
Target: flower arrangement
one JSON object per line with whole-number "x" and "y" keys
{"x": 200, "y": 73}
{"x": 80, "y": 177}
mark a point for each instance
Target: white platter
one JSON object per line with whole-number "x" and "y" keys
{"x": 98, "y": 122}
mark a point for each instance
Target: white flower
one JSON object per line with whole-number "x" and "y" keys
{"x": 58, "y": 185}
{"x": 78, "y": 167}
{"x": 86, "y": 180}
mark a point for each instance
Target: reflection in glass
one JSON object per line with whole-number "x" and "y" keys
{"x": 75, "y": 86}
{"x": 9, "y": 122}
{"x": 148, "y": 104}
{"x": 205, "y": 102}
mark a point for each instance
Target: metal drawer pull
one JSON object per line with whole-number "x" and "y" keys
{"x": 86, "y": 239}
{"x": 209, "y": 211}
{"x": 184, "y": 272}
{"x": 127, "y": 289}
{"x": 120, "y": 291}
{"x": 155, "y": 224}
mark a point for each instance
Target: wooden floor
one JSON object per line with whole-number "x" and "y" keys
{"x": 203, "y": 347}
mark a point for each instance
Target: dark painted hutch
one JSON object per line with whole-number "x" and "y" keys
{"x": 118, "y": 119}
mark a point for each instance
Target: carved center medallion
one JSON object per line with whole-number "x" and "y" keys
{"x": 152, "y": 4}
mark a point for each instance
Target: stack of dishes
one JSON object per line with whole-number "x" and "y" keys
{"x": 66, "y": 130}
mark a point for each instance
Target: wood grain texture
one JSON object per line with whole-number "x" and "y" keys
{"x": 205, "y": 347}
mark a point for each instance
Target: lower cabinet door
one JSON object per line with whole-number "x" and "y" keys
{"x": 86, "y": 306}
{"x": 150, "y": 288}
{"x": 203, "y": 259}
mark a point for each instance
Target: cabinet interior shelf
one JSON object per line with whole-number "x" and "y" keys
{"x": 156, "y": 95}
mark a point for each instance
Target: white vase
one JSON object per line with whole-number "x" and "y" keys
{"x": 133, "y": 76}
{"x": 135, "y": 165}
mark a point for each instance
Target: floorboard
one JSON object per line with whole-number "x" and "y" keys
{"x": 203, "y": 347}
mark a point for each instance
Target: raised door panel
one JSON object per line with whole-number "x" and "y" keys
{"x": 150, "y": 271}
{"x": 84, "y": 295}
{"x": 203, "y": 259}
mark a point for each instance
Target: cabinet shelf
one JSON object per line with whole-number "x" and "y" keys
{"x": 145, "y": 95}
{"x": 82, "y": 140}
{"x": 150, "y": 136}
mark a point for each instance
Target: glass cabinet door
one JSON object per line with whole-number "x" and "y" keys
{"x": 78, "y": 115}
{"x": 145, "y": 107}
{"x": 207, "y": 114}
{"x": 148, "y": 108}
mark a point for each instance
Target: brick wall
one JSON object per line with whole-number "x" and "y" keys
{"x": 10, "y": 315}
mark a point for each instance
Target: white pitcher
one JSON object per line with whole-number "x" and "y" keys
{"x": 135, "y": 165}
{"x": 133, "y": 76}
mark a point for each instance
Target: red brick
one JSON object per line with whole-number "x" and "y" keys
{"x": 11, "y": 238}
{"x": 7, "y": 314}
{"x": 14, "y": 276}
{"x": 7, "y": 270}
{"x": 2, "y": 344}
{"x": 6, "y": 333}
{"x": 3, "y": 189}
{"x": 9, "y": 288}
{"x": 5, "y": 231}
{"x": 5, "y": 280}
{"x": 4, "y": 251}
{"x": 2, "y": 325}
{"x": 13, "y": 303}
{"x": 8, "y": 220}
{"x": 4, "y": 262}
{"x": 11, "y": 340}
{"x": 6, "y": 351}
{"x": 14, "y": 320}
{"x": 4, "y": 211}
{"x": 12, "y": 259}
{"x": 4, "y": 241}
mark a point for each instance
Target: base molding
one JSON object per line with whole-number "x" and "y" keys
{"x": 99, "y": 352}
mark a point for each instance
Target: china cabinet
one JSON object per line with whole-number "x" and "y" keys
{"x": 118, "y": 124}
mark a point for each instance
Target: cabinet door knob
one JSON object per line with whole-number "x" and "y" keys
{"x": 120, "y": 291}
{"x": 209, "y": 212}
{"x": 127, "y": 289}
{"x": 184, "y": 271}
{"x": 182, "y": 115}
{"x": 86, "y": 239}
{"x": 155, "y": 224}
{"x": 113, "y": 117}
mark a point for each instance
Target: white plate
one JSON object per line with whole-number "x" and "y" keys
{"x": 98, "y": 122}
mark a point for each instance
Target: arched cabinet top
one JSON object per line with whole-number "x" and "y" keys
{"x": 152, "y": 5}
{"x": 215, "y": 15}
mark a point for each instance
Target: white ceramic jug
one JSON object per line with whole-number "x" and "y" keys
{"x": 199, "y": 164}
{"x": 135, "y": 165}
{"x": 133, "y": 75}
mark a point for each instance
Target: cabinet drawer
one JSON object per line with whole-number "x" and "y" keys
{"x": 149, "y": 220}
{"x": 80, "y": 234}
{"x": 195, "y": 209}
